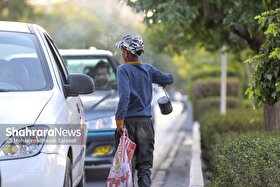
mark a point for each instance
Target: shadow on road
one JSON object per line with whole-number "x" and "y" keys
{"x": 97, "y": 173}
{"x": 96, "y": 177}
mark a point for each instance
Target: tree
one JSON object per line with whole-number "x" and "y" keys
{"x": 16, "y": 10}
{"x": 207, "y": 23}
{"x": 88, "y": 23}
{"x": 265, "y": 82}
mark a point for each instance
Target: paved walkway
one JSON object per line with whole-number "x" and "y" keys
{"x": 178, "y": 174}
{"x": 182, "y": 166}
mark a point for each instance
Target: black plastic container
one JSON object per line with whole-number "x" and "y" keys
{"x": 165, "y": 105}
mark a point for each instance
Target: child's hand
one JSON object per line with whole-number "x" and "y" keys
{"x": 161, "y": 85}
{"x": 120, "y": 129}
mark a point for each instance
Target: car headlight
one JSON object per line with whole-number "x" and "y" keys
{"x": 24, "y": 142}
{"x": 102, "y": 123}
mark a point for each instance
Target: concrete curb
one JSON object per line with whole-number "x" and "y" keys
{"x": 196, "y": 176}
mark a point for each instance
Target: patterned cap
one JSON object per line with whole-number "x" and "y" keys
{"x": 133, "y": 44}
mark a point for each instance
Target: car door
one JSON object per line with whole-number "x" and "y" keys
{"x": 73, "y": 111}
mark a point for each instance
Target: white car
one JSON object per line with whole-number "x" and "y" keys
{"x": 42, "y": 131}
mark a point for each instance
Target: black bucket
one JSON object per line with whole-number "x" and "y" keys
{"x": 165, "y": 105}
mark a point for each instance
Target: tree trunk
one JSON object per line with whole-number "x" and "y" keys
{"x": 272, "y": 116}
{"x": 249, "y": 70}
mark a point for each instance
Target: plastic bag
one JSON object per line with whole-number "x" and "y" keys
{"x": 121, "y": 171}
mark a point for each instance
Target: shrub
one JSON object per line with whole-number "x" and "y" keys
{"x": 249, "y": 160}
{"x": 213, "y": 73}
{"x": 209, "y": 88}
{"x": 235, "y": 121}
{"x": 207, "y": 104}
{"x": 216, "y": 128}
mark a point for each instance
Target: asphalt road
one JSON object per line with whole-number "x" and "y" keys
{"x": 167, "y": 133}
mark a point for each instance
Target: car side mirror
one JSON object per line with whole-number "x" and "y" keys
{"x": 79, "y": 84}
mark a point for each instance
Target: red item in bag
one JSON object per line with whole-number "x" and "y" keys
{"x": 121, "y": 171}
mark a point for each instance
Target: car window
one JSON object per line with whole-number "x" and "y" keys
{"x": 21, "y": 63}
{"x": 98, "y": 68}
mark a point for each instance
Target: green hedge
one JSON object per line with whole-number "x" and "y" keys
{"x": 211, "y": 87}
{"x": 213, "y": 73}
{"x": 216, "y": 128}
{"x": 204, "y": 105}
{"x": 251, "y": 160}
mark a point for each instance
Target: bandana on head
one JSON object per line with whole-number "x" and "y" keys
{"x": 133, "y": 44}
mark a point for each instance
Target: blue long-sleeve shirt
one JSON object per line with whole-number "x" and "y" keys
{"x": 135, "y": 89}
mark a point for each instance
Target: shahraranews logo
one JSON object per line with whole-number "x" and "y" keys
{"x": 56, "y": 132}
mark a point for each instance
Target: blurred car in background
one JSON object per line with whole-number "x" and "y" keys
{"x": 38, "y": 95}
{"x": 100, "y": 106}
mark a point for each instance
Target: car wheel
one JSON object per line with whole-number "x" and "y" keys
{"x": 68, "y": 174}
{"x": 82, "y": 182}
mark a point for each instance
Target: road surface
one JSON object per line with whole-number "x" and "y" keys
{"x": 168, "y": 135}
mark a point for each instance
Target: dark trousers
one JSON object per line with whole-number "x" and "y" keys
{"x": 141, "y": 131}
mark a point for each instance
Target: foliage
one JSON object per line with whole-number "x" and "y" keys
{"x": 213, "y": 124}
{"x": 264, "y": 86}
{"x": 211, "y": 87}
{"x": 197, "y": 63}
{"x": 201, "y": 70}
{"x": 84, "y": 24}
{"x": 249, "y": 160}
{"x": 216, "y": 128}
{"x": 213, "y": 72}
{"x": 210, "y": 23}
{"x": 16, "y": 10}
{"x": 204, "y": 105}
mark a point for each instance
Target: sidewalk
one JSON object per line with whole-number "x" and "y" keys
{"x": 182, "y": 167}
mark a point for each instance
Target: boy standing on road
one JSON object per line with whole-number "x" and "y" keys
{"x": 134, "y": 109}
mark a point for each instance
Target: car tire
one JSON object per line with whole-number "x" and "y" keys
{"x": 82, "y": 182}
{"x": 68, "y": 174}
